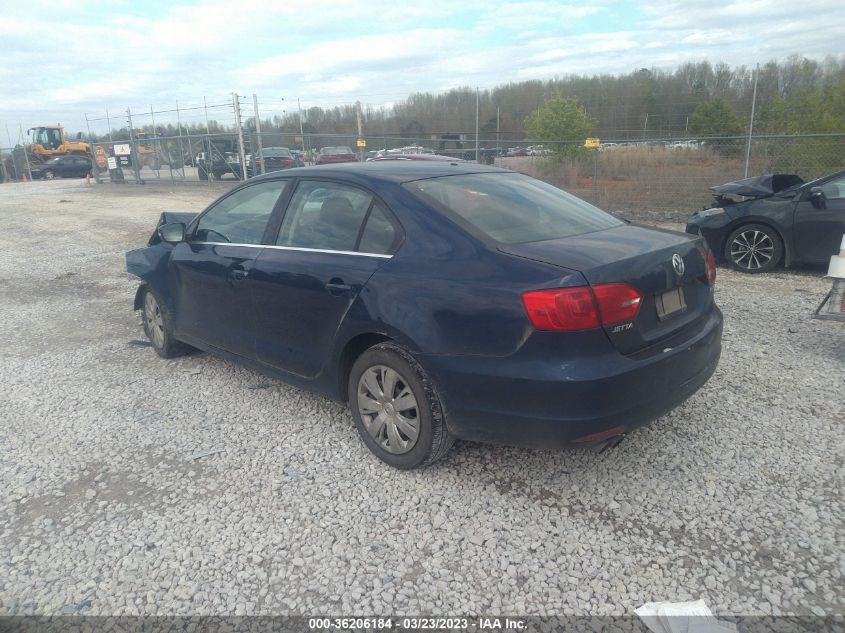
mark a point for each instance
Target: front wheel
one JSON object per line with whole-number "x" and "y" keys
{"x": 754, "y": 248}
{"x": 158, "y": 326}
{"x": 396, "y": 408}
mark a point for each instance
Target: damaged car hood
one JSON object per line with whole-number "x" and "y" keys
{"x": 758, "y": 186}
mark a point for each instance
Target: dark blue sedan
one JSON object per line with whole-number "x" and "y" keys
{"x": 441, "y": 300}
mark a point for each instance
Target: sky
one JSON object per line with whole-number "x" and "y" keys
{"x": 63, "y": 59}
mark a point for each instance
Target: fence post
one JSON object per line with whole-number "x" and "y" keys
{"x": 25, "y": 153}
{"x": 94, "y": 167}
{"x": 207, "y": 139}
{"x": 132, "y": 150}
{"x": 258, "y": 131}
{"x": 237, "y": 103}
{"x": 751, "y": 122}
{"x": 181, "y": 146}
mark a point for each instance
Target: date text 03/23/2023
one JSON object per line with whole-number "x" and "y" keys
{"x": 418, "y": 624}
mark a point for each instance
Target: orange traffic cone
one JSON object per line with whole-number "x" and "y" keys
{"x": 25, "y": 177}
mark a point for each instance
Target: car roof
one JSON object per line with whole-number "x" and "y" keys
{"x": 397, "y": 171}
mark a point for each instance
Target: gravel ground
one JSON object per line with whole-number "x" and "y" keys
{"x": 134, "y": 485}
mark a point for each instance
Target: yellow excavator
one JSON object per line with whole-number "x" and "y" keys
{"x": 49, "y": 141}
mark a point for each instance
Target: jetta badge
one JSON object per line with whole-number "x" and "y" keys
{"x": 678, "y": 264}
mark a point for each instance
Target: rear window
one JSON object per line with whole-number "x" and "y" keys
{"x": 512, "y": 208}
{"x": 335, "y": 150}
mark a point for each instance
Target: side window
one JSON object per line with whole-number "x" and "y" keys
{"x": 834, "y": 189}
{"x": 241, "y": 217}
{"x": 381, "y": 234}
{"x": 324, "y": 215}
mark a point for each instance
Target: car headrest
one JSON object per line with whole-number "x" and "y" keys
{"x": 338, "y": 211}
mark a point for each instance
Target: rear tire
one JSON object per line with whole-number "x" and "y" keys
{"x": 754, "y": 248}
{"x": 396, "y": 408}
{"x": 49, "y": 175}
{"x": 158, "y": 326}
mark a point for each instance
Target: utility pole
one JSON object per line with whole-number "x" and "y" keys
{"x": 751, "y": 121}
{"x": 645, "y": 124}
{"x": 360, "y": 129}
{"x": 236, "y": 100}
{"x": 258, "y": 131}
{"x": 476, "y": 123}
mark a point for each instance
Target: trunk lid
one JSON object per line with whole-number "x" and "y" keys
{"x": 643, "y": 258}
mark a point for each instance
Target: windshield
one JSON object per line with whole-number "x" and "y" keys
{"x": 512, "y": 208}
{"x": 271, "y": 152}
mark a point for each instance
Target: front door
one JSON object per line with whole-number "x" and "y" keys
{"x": 211, "y": 268}
{"x": 818, "y": 229}
{"x": 332, "y": 239}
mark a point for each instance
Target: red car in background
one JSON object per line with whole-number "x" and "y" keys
{"x": 329, "y": 155}
{"x": 435, "y": 157}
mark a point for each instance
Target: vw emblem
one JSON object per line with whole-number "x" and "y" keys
{"x": 678, "y": 264}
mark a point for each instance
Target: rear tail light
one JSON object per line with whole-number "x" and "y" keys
{"x": 582, "y": 307}
{"x": 258, "y": 161}
{"x": 710, "y": 261}
{"x": 617, "y": 302}
{"x": 562, "y": 309}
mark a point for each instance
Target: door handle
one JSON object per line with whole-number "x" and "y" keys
{"x": 239, "y": 274}
{"x": 336, "y": 286}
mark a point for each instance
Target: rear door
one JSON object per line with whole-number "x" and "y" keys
{"x": 333, "y": 237}
{"x": 81, "y": 166}
{"x": 817, "y": 231}
{"x": 65, "y": 167}
{"x": 213, "y": 302}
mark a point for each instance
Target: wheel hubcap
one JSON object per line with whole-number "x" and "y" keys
{"x": 752, "y": 250}
{"x": 388, "y": 409}
{"x": 154, "y": 320}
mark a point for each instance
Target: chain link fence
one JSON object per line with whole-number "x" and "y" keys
{"x": 663, "y": 180}
{"x": 666, "y": 180}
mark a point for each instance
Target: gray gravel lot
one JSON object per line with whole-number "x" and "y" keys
{"x": 134, "y": 485}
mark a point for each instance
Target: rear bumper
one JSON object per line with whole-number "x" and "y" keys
{"x": 541, "y": 399}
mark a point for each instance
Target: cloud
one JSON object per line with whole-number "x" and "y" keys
{"x": 119, "y": 54}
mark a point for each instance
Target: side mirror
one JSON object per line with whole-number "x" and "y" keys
{"x": 817, "y": 197}
{"x": 172, "y": 232}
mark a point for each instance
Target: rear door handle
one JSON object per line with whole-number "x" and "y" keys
{"x": 336, "y": 286}
{"x": 239, "y": 274}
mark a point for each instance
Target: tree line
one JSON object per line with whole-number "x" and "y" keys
{"x": 798, "y": 95}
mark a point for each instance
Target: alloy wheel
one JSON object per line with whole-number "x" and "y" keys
{"x": 388, "y": 409}
{"x": 154, "y": 320}
{"x": 752, "y": 249}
